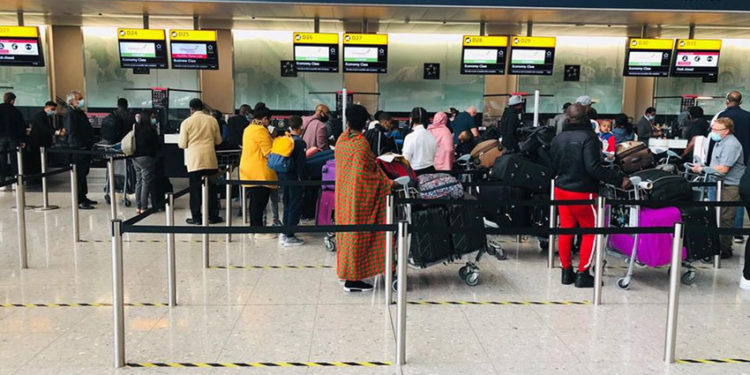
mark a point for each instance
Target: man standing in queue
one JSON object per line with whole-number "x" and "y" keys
{"x": 80, "y": 137}
{"x": 510, "y": 122}
{"x": 579, "y": 167}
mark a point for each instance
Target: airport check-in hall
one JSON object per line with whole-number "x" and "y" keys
{"x": 374, "y": 187}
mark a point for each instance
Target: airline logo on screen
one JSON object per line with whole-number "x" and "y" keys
{"x": 140, "y": 34}
{"x": 651, "y": 44}
{"x": 316, "y": 38}
{"x": 366, "y": 39}
{"x": 19, "y": 31}
{"x": 192, "y": 35}
{"x": 534, "y": 41}
{"x": 699, "y": 44}
{"x": 485, "y": 41}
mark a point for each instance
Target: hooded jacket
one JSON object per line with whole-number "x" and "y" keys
{"x": 444, "y": 156}
{"x": 577, "y": 160}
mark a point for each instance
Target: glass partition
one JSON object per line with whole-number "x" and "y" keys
{"x": 106, "y": 81}
{"x": 30, "y": 84}
{"x": 601, "y": 60}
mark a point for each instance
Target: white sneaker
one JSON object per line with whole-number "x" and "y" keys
{"x": 282, "y": 239}
{"x": 744, "y": 283}
{"x": 293, "y": 242}
{"x": 265, "y": 236}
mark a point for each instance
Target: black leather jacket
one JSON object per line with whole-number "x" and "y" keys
{"x": 577, "y": 159}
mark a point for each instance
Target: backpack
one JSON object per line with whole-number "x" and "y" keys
{"x": 439, "y": 185}
{"x": 279, "y": 160}
{"x": 111, "y": 128}
{"x": 128, "y": 143}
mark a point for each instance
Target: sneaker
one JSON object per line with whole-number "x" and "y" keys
{"x": 744, "y": 283}
{"x": 568, "y": 276}
{"x": 739, "y": 239}
{"x": 584, "y": 280}
{"x": 282, "y": 239}
{"x": 357, "y": 286}
{"x": 265, "y": 236}
{"x": 293, "y": 242}
{"x": 5, "y": 188}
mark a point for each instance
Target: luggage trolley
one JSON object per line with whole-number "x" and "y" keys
{"x": 124, "y": 173}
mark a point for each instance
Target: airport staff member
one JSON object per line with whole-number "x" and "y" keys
{"x": 644, "y": 128}
{"x": 578, "y": 162}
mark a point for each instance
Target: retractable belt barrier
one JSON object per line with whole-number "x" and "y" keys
{"x": 276, "y": 183}
{"x": 140, "y": 217}
{"x": 78, "y": 151}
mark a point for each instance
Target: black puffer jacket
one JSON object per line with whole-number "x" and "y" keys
{"x": 578, "y": 163}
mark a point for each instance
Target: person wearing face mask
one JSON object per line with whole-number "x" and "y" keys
{"x": 12, "y": 135}
{"x": 199, "y": 136}
{"x": 314, "y": 130}
{"x": 510, "y": 122}
{"x": 80, "y": 136}
{"x": 644, "y": 128}
{"x": 236, "y": 126}
{"x": 42, "y": 134}
{"x": 727, "y": 158}
{"x": 147, "y": 146}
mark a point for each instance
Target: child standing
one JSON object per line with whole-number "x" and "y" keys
{"x": 607, "y": 137}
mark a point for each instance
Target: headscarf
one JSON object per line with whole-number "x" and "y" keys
{"x": 439, "y": 121}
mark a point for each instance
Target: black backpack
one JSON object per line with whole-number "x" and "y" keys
{"x": 112, "y": 128}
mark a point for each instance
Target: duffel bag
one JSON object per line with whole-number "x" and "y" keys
{"x": 516, "y": 170}
{"x": 666, "y": 186}
{"x": 633, "y": 156}
{"x": 439, "y": 185}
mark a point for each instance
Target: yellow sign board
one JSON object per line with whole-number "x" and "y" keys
{"x": 699, "y": 44}
{"x": 655, "y": 44}
{"x": 366, "y": 39}
{"x": 316, "y": 38}
{"x": 140, "y": 34}
{"x": 534, "y": 41}
{"x": 193, "y": 35}
{"x": 485, "y": 41}
{"x": 19, "y": 31}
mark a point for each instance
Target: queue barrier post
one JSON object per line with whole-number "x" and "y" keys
{"x": 388, "y": 252}
{"x": 21, "y": 213}
{"x": 403, "y": 228}
{"x": 204, "y": 220}
{"x": 599, "y": 267}
{"x": 111, "y": 185}
{"x": 45, "y": 193}
{"x": 243, "y": 202}
{"x": 117, "y": 294}
{"x": 552, "y": 225}
{"x": 171, "y": 263}
{"x": 228, "y": 204}
{"x": 674, "y": 293}
{"x": 719, "y": 187}
{"x": 74, "y": 203}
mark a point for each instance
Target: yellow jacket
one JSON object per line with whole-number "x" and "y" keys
{"x": 256, "y": 146}
{"x": 199, "y": 135}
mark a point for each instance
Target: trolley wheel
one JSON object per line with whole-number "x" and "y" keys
{"x": 126, "y": 202}
{"x": 394, "y": 285}
{"x": 497, "y": 251}
{"x": 329, "y": 243}
{"x": 622, "y": 284}
{"x": 544, "y": 244}
{"x": 463, "y": 272}
{"x": 472, "y": 279}
{"x": 688, "y": 278}
{"x": 107, "y": 199}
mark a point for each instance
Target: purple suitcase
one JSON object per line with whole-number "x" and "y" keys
{"x": 654, "y": 250}
{"x": 329, "y": 173}
{"x": 326, "y": 205}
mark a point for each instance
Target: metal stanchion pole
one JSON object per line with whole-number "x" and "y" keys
{"x": 21, "y": 213}
{"x": 599, "y": 271}
{"x": 112, "y": 195}
{"x": 552, "y": 225}
{"x": 229, "y": 202}
{"x": 74, "y": 203}
{"x": 45, "y": 193}
{"x": 674, "y": 293}
{"x": 719, "y": 187}
{"x": 243, "y": 202}
{"x": 401, "y": 316}
{"x": 536, "y": 108}
{"x": 171, "y": 264}
{"x": 117, "y": 294}
{"x": 388, "y": 253}
{"x": 204, "y": 219}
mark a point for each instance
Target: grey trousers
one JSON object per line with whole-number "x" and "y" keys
{"x": 145, "y": 170}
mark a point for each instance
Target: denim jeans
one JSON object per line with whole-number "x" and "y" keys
{"x": 145, "y": 168}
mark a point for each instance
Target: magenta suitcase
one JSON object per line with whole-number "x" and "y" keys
{"x": 326, "y": 205}
{"x": 654, "y": 250}
{"x": 329, "y": 173}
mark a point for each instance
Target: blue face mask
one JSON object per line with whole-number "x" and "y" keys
{"x": 716, "y": 137}
{"x": 81, "y": 103}
{"x": 50, "y": 113}
{"x": 153, "y": 121}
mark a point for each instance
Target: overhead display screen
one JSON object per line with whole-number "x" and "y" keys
{"x": 142, "y": 48}
{"x": 648, "y": 57}
{"x": 20, "y": 46}
{"x": 316, "y": 52}
{"x": 193, "y": 49}
{"x": 365, "y": 53}
{"x": 483, "y": 54}
{"x": 532, "y": 55}
{"x": 696, "y": 58}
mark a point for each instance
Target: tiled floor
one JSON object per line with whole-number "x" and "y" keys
{"x": 303, "y": 315}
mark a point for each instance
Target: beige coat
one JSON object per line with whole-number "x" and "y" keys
{"x": 199, "y": 135}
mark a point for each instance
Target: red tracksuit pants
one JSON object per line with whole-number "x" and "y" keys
{"x": 571, "y": 217}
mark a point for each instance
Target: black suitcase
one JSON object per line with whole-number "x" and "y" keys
{"x": 516, "y": 170}
{"x": 666, "y": 186}
{"x": 432, "y": 247}
{"x": 470, "y": 217}
{"x": 701, "y": 236}
{"x": 505, "y": 216}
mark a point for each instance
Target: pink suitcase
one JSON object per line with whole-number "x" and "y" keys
{"x": 326, "y": 205}
{"x": 654, "y": 250}
{"x": 329, "y": 173}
